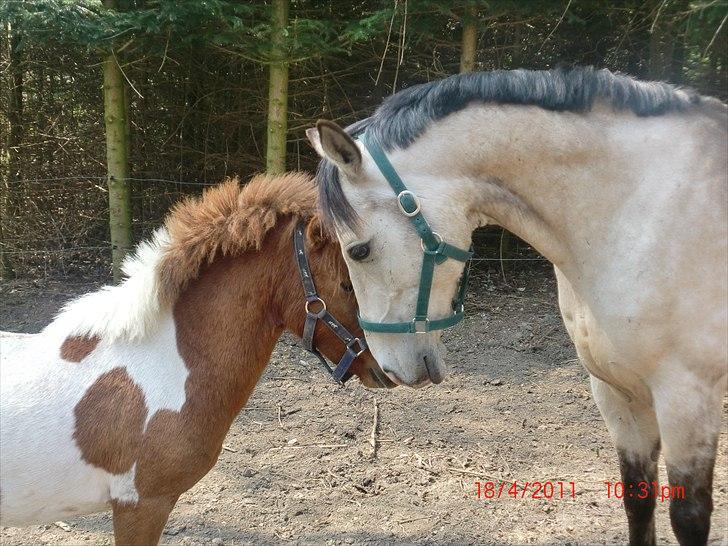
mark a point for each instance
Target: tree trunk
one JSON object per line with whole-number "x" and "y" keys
{"x": 10, "y": 204}
{"x": 665, "y": 61}
{"x": 517, "y": 47}
{"x": 278, "y": 92}
{"x": 677, "y": 62}
{"x": 469, "y": 44}
{"x": 116, "y": 160}
{"x": 656, "y": 61}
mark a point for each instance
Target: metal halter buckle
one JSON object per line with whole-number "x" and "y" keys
{"x": 421, "y": 326}
{"x": 361, "y": 343}
{"x": 314, "y": 300}
{"x": 401, "y": 206}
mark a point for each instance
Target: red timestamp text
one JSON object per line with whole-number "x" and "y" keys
{"x": 644, "y": 490}
{"x": 525, "y": 490}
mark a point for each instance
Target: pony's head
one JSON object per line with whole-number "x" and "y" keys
{"x": 383, "y": 251}
{"x": 334, "y": 287}
{"x": 248, "y": 233}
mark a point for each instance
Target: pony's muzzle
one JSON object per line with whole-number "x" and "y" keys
{"x": 381, "y": 379}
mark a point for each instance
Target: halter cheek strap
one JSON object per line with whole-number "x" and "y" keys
{"x": 354, "y": 345}
{"x": 435, "y": 251}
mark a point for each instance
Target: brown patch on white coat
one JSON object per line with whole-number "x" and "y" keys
{"x": 76, "y": 348}
{"x": 110, "y": 422}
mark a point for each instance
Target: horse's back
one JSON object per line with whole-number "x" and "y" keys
{"x": 10, "y": 342}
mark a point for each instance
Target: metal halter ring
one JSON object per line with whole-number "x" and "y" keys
{"x": 436, "y": 235}
{"x": 401, "y": 207}
{"x": 421, "y": 326}
{"x": 317, "y": 313}
{"x": 357, "y": 341}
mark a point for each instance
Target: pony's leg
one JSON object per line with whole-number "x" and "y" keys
{"x": 634, "y": 430}
{"x": 689, "y": 416}
{"x": 142, "y": 523}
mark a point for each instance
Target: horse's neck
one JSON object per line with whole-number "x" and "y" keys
{"x": 572, "y": 185}
{"x": 227, "y": 324}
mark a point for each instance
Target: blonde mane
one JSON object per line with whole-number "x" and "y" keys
{"x": 228, "y": 220}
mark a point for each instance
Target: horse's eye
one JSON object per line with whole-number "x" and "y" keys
{"x": 358, "y": 252}
{"x": 347, "y": 287}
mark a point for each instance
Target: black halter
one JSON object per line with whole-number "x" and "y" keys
{"x": 354, "y": 345}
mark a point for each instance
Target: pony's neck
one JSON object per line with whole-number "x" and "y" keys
{"x": 558, "y": 180}
{"x": 227, "y": 322}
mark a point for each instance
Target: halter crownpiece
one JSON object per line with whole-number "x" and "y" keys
{"x": 435, "y": 251}
{"x": 354, "y": 345}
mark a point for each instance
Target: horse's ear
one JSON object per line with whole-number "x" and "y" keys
{"x": 313, "y": 137}
{"x": 316, "y": 233}
{"x": 336, "y": 145}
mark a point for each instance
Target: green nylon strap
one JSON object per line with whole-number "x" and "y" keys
{"x": 427, "y": 325}
{"x": 435, "y": 251}
{"x": 411, "y": 327}
{"x": 426, "y": 274}
{"x": 459, "y": 302}
{"x": 407, "y": 201}
{"x": 454, "y": 252}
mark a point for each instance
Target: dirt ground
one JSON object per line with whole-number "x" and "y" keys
{"x": 298, "y": 466}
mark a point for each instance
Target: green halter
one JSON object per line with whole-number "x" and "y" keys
{"x": 435, "y": 252}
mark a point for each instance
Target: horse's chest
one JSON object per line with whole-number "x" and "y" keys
{"x": 613, "y": 353}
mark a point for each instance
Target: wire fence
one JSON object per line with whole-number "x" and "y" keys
{"x": 57, "y": 227}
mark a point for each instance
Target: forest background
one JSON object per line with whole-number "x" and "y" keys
{"x": 110, "y": 111}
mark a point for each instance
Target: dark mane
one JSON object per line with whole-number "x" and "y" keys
{"x": 403, "y": 117}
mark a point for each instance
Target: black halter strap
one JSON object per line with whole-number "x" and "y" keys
{"x": 354, "y": 345}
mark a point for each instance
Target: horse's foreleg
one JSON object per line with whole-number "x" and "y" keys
{"x": 634, "y": 429}
{"x": 689, "y": 416}
{"x": 141, "y": 524}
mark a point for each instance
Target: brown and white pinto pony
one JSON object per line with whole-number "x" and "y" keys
{"x": 124, "y": 400}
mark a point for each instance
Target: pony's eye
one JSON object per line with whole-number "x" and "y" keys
{"x": 347, "y": 287}
{"x": 358, "y": 252}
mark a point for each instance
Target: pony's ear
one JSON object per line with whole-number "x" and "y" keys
{"x": 316, "y": 233}
{"x": 337, "y": 146}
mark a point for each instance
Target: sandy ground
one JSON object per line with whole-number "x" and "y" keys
{"x": 298, "y": 466}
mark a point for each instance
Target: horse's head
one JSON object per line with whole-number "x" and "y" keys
{"x": 334, "y": 288}
{"x": 383, "y": 250}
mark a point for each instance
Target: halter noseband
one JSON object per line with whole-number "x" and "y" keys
{"x": 354, "y": 345}
{"x": 435, "y": 252}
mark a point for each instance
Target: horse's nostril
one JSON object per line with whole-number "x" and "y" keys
{"x": 432, "y": 369}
